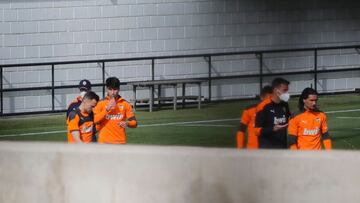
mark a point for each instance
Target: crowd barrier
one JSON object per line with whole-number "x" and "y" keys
{"x": 57, "y": 172}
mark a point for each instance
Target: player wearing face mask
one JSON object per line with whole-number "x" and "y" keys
{"x": 84, "y": 87}
{"x": 272, "y": 117}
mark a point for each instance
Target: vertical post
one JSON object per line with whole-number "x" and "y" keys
{"x": 183, "y": 95}
{"x": 159, "y": 96}
{"x": 103, "y": 78}
{"x": 209, "y": 78}
{"x": 175, "y": 97}
{"x": 52, "y": 87}
{"x": 151, "y": 102}
{"x": 1, "y": 91}
{"x": 199, "y": 96}
{"x": 152, "y": 87}
{"x": 315, "y": 69}
{"x": 152, "y": 69}
{"x": 261, "y": 71}
{"x": 134, "y": 97}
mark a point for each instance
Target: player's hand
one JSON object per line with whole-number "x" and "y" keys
{"x": 111, "y": 104}
{"x": 122, "y": 124}
{"x": 278, "y": 127}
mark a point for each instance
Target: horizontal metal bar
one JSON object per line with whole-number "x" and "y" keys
{"x": 284, "y": 73}
{"x": 34, "y": 113}
{"x": 201, "y": 78}
{"x": 180, "y": 56}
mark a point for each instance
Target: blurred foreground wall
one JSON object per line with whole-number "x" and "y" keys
{"x": 44, "y": 172}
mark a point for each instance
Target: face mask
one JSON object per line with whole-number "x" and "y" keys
{"x": 285, "y": 97}
{"x": 82, "y": 94}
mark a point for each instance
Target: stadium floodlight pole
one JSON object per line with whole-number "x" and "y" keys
{"x": 315, "y": 69}
{"x": 52, "y": 87}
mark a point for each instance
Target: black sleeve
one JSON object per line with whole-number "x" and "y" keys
{"x": 325, "y": 136}
{"x": 260, "y": 123}
{"x": 242, "y": 127}
{"x": 292, "y": 140}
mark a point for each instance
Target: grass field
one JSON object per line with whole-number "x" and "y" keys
{"x": 214, "y": 125}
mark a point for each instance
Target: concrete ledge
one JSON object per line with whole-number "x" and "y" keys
{"x": 48, "y": 172}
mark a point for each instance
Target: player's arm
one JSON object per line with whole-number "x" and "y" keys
{"x": 101, "y": 110}
{"x": 73, "y": 126}
{"x": 76, "y": 136}
{"x": 325, "y": 137}
{"x": 326, "y": 141}
{"x": 131, "y": 121}
{"x": 292, "y": 134}
{"x": 260, "y": 127}
{"x": 240, "y": 134}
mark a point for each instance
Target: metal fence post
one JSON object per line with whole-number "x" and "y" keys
{"x": 152, "y": 87}
{"x": 103, "y": 78}
{"x": 209, "y": 77}
{"x": 52, "y": 87}
{"x": 315, "y": 69}
{"x": 261, "y": 71}
{"x": 153, "y": 69}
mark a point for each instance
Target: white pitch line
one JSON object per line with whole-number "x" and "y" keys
{"x": 204, "y": 125}
{"x": 347, "y": 117}
{"x": 164, "y": 124}
{"x": 39, "y": 133}
{"x": 146, "y": 125}
{"x": 343, "y": 111}
{"x": 351, "y": 145}
{"x": 187, "y": 122}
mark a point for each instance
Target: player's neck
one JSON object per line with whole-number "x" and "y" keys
{"x": 82, "y": 109}
{"x": 307, "y": 109}
{"x": 275, "y": 99}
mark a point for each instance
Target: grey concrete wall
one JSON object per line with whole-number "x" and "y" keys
{"x": 48, "y": 172}
{"x": 46, "y": 30}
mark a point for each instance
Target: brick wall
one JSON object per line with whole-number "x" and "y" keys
{"x": 38, "y": 31}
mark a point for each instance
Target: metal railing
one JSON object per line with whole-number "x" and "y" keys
{"x": 210, "y": 78}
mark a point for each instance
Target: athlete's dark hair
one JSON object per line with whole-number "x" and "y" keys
{"x": 265, "y": 90}
{"x": 304, "y": 95}
{"x": 91, "y": 95}
{"x": 113, "y": 82}
{"x": 279, "y": 81}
